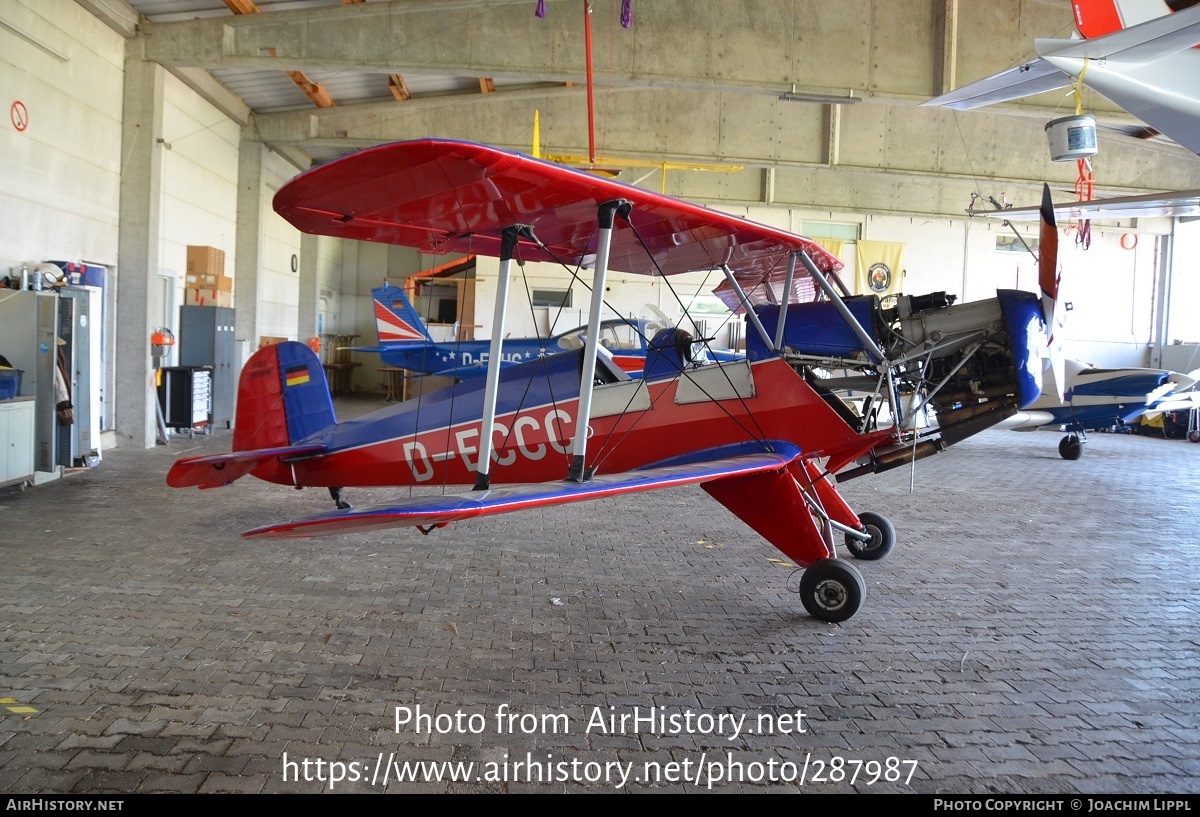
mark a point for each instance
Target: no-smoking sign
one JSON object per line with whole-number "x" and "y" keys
{"x": 19, "y": 115}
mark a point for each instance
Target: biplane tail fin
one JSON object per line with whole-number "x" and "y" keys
{"x": 283, "y": 404}
{"x": 283, "y": 398}
{"x": 396, "y": 321}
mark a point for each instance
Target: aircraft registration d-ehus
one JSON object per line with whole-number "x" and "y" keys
{"x": 832, "y": 387}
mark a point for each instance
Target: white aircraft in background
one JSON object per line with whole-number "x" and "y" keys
{"x": 1141, "y": 55}
{"x": 1095, "y": 399}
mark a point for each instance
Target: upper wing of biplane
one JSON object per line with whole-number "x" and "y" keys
{"x": 443, "y": 196}
{"x": 438, "y": 510}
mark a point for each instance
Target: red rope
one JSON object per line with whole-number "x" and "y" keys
{"x": 1084, "y": 188}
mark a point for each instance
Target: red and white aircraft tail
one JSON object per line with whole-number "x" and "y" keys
{"x": 1140, "y": 54}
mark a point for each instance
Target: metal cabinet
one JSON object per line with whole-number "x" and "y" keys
{"x": 206, "y": 338}
{"x": 16, "y": 440}
{"x": 185, "y": 394}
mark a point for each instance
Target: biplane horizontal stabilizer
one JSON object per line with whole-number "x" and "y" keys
{"x": 222, "y": 469}
{"x": 441, "y": 509}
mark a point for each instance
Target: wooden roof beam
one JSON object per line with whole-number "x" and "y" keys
{"x": 313, "y": 90}
{"x": 399, "y": 87}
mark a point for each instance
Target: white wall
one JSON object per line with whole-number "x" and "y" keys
{"x": 279, "y": 286}
{"x": 199, "y": 184}
{"x": 61, "y": 174}
{"x": 329, "y": 285}
{"x": 1182, "y": 352}
{"x": 1184, "y": 314}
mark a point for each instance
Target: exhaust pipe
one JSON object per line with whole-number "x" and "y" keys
{"x": 953, "y": 426}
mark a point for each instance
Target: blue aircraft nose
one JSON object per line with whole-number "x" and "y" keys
{"x": 1023, "y": 319}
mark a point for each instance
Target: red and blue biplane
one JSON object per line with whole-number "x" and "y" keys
{"x": 832, "y": 386}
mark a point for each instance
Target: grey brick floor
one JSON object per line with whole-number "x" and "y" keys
{"x": 1035, "y": 630}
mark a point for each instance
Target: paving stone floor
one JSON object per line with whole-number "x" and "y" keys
{"x": 1036, "y": 630}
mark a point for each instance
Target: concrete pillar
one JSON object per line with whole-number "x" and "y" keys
{"x": 247, "y": 298}
{"x": 138, "y": 251}
{"x": 306, "y": 325}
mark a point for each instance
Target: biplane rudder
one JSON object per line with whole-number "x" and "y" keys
{"x": 283, "y": 398}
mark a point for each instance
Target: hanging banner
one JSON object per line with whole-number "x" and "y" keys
{"x": 879, "y": 267}
{"x": 835, "y": 245}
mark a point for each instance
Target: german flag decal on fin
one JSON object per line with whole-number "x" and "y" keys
{"x": 297, "y": 375}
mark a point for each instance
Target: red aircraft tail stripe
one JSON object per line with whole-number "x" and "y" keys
{"x": 391, "y": 327}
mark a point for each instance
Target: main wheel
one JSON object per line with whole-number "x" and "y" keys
{"x": 1194, "y": 436}
{"x": 832, "y": 590}
{"x": 1070, "y": 447}
{"x": 883, "y": 538}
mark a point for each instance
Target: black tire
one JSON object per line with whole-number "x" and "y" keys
{"x": 1070, "y": 447}
{"x": 1194, "y": 436}
{"x": 883, "y": 538}
{"x": 832, "y": 590}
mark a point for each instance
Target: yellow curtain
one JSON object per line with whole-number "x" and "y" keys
{"x": 880, "y": 267}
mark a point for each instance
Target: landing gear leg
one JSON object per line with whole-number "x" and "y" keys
{"x": 336, "y": 495}
{"x": 797, "y": 524}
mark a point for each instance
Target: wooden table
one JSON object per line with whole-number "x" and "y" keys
{"x": 340, "y": 363}
{"x": 338, "y": 375}
{"x": 397, "y": 384}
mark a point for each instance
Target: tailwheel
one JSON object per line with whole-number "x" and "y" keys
{"x": 832, "y": 590}
{"x": 336, "y": 495}
{"x": 1070, "y": 447}
{"x": 883, "y": 538}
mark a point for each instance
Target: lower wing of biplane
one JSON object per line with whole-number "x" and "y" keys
{"x": 832, "y": 386}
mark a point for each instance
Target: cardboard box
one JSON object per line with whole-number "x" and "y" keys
{"x": 205, "y": 261}
{"x": 198, "y": 281}
{"x": 208, "y": 297}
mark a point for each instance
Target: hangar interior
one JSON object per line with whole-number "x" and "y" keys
{"x": 139, "y": 129}
{"x": 155, "y": 126}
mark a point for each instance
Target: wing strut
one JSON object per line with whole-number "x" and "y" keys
{"x": 508, "y": 243}
{"x": 787, "y": 299}
{"x": 750, "y": 313}
{"x": 608, "y": 211}
{"x": 869, "y": 345}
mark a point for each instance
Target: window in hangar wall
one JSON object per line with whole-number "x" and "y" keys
{"x": 552, "y": 297}
{"x": 831, "y": 229}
